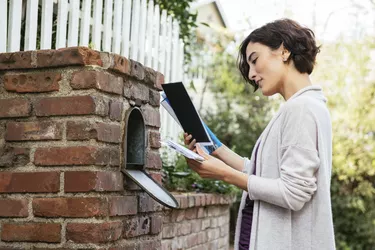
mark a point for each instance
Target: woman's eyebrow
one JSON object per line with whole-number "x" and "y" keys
{"x": 249, "y": 58}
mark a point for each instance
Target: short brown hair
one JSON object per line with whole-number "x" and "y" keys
{"x": 300, "y": 41}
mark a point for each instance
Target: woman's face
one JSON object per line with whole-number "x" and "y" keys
{"x": 267, "y": 67}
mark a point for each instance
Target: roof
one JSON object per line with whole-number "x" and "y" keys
{"x": 196, "y": 5}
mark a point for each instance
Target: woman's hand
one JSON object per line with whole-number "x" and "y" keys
{"x": 190, "y": 144}
{"x": 210, "y": 168}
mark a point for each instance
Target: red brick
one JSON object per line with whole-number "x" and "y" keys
{"x": 126, "y": 246}
{"x": 191, "y": 213}
{"x": 10, "y": 156}
{"x": 29, "y": 182}
{"x": 16, "y": 107}
{"x": 155, "y": 244}
{"x": 34, "y": 232}
{"x": 147, "y": 203}
{"x": 93, "y": 232}
{"x": 136, "y": 226}
{"x": 59, "y": 248}
{"x": 201, "y": 213}
{"x": 184, "y": 201}
{"x": 88, "y": 130}
{"x": 209, "y": 200}
{"x": 70, "y": 207}
{"x": 120, "y": 64}
{"x": 159, "y": 81}
{"x": 136, "y": 91}
{"x": 137, "y": 70}
{"x": 115, "y": 110}
{"x": 192, "y": 240}
{"x": 152, "y": 116}
{"x": 150, "y": 76}
{"x": 154, "y": 139}
{"x": 86, "y": 181}
{"x": 11, "y": 248}
{"x": 80, "y": 130}
{"x": 167, "y": 244}
{"x": 68, "y": 57}
{"x": 75, "y": 155}
{"x": 191, "y": 201}
{"x": 16, "y": 60}
{"x": 109, "y": 132}
{"x": 114, "y": 156}
{"x": 97, "y": 79}
{"x": 184, "y": 228}
{"x": 131, "y": 227}
{"x": 14, "y": 208}
{"x": 153, "y": 160}
{"x": 130, "y": 184}
{"x": 154, "y": 98}
{"x": 197, "y": 199}
{"x": 124, "y": 205}
{"x": 33, "y": 131}
{"x": 144, "y": 225}
{"x": 156, "y": 224}
{"x": 71, "y": 105}
{"x": 32, "y": 82}
{"x": 169, "y": 231}
{"x": 177, "y": 215}
{"x": 157, "y": 177}
{"x": 196, "y": 226}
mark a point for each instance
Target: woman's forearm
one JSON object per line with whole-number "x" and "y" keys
{"x": 236, "y": 178}
{"x": 229, "y": 157}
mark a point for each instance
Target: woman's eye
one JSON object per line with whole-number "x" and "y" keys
{"x": 255, "y": 60}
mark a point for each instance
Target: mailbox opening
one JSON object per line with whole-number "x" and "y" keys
{"x": 135, "y": 140}
{"x": 134, "y": 146}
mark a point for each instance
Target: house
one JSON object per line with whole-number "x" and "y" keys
{"x": 211, "y": 21}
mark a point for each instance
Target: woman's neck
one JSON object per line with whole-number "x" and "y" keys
{"x": 295, "y": 82}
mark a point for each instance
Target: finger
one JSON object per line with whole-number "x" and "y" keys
{"x": 192, "y": 144}
{"x": 201, "y": 152}
{"x": 193, "y": 163}
{"x": 194, "y": 168}
{"x": 187, "y": 139}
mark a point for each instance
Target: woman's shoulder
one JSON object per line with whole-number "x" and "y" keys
{"x": 306, "y": 109}
{"x": 305, "y": 104}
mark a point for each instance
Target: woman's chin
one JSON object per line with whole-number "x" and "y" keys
{"x": 267, "y": 92}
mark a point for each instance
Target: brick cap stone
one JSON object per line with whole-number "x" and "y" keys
{"x": 186, "y": 200}
{"x": 81, "y": 56}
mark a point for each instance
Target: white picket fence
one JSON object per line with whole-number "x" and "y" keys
{"x": 132, "y": 28}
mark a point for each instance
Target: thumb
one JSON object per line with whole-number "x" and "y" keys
{"x": 202, "y": 152}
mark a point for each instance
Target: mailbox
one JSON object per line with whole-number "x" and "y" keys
{"x": 134, "y": 148}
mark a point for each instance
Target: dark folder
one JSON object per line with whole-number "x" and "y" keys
{"x": 185, "y": 111}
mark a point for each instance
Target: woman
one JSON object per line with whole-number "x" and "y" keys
{"x": 286, "y": 200}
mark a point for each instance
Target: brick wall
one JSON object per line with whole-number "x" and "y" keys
{"x": 200, "y": 223}
{"x": 61, "y": 131}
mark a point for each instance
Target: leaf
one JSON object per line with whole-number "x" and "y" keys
{"x": 181, "y": 174}
{"x": 205, "y": 24}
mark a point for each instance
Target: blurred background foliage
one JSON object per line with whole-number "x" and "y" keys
{"x": 349, "y": 84}
{"x": 345, "y": 71}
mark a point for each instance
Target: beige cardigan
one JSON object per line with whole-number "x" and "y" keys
{"x": 291, "y": 188}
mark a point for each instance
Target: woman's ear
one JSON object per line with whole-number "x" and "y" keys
{"x": 285, "y": 54}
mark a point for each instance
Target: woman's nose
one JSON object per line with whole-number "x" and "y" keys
{"x": 252, "y": 73}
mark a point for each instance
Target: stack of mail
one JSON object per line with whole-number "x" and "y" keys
{"x": 182, "y": 150}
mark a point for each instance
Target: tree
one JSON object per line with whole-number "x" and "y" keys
{"x": 343, "y": 70}
{"x": 181, "y": 11}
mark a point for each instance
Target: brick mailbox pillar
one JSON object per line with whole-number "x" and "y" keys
{"x": 62, "y": 123}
